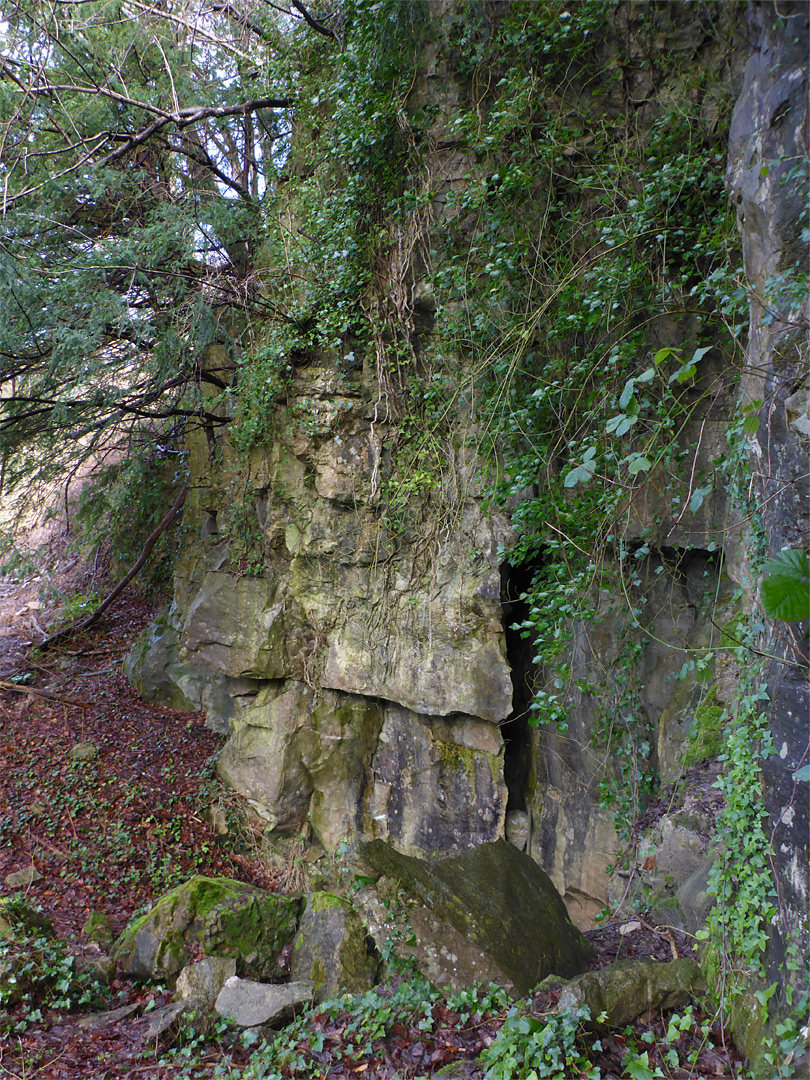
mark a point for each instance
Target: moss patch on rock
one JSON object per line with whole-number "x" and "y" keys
{"x": 219, "y": 916}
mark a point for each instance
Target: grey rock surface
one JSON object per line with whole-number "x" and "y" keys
{"x": 202, "y": 981}
{"x": 498, "y": 899}
{"x": 249, "y": 1004}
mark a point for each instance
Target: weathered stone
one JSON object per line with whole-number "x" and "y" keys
{"x": 96, "y": 964}
{"x": 161, "y": 1019}
{"x": 444, "y": 956}
{"x": 694, "y": 901}
{"x": 224, "y": 918}
{"x": 294, "y": 753}
{"x": 97, "y": 1021}
{"x": 202, "y": 981}
{"x": 21, "y": 879}
{"x": 517, "y": 828}
{"x": 83, "y": 751}
{"x": 674, "y": 850}
{"x": 249, "y": 1004}
{"x": 628, "y": 988}
{"x": 497, "y": 898}
{"x": 437, "y": 785}
{"x": 332, "y": 949}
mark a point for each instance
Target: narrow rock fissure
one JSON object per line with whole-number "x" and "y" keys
{"x": 515, "y": 581}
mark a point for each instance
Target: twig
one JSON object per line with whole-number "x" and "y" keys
{"x": 44, "y": 694}
{"x": 83, "y": 624}
{"x": 661, "y": 933}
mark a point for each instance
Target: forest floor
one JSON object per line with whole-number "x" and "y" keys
{"x": 111, "y": 833}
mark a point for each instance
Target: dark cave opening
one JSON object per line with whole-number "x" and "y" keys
{"x": 517, "y": 766}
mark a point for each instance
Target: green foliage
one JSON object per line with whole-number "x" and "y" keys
{"x": 706, "y": 733}
{"x": 122, "y": 504}
{"x": 36, "y": 972}
{"x": 741, "y": 880}
{"x": 786, "y": 589}
{"x": 532, "y": 1048}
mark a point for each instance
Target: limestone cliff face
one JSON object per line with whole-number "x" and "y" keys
{"x": 364, "y": 669}
{"x": 362, "y": 680}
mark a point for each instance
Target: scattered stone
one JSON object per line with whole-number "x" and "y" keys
{"x": 499, "y": 900}
{"x": 219, "y": 916}
{"x": 331, "y": 949}
{"x": 628, "y": 988}
{"x": 97, "y": 965}
{"x": 249, "y": 1003}
{"x": 516, "y": 828}
{"x": 155, "y": 1023}
{"x": 96, "y": 1021}
{"x": 21, "y": 879}
{"x": 201, "y": 982}
{"x": 83, "y": 751}
{"x": 694, "y": 900}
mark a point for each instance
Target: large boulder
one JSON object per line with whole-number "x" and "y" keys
{"x": 496, "y": 900}
{"x": 216, "y": 916}
{"x": 332, "y": 949}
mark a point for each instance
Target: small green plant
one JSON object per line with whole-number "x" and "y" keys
{"x": 35, "y": 970}
{"x": 553, "y": 1046}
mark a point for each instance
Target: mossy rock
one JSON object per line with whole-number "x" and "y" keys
{"x": 706, "y": 734}
{"x": 99, "y": 928}
{"x": 216, "y": 915}
{"x": 332, "y": 948}
{"x": 497, "y": 898}
{"x": 623, "y": 991}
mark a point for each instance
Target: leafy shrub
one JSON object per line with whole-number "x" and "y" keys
{"x": 35, "y": 970}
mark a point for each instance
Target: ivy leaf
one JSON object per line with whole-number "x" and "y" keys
{"x": 639, "y": 1068}
{"x": 627, "y": 393}
{"x": 698, "y": 354}
{"x": 698, "y": 495}
{"x": 785, "y": 592}
{"x": 619, "y": 425}
{"x": 802, "y": 774}
{"x": 662, "y": 355}
{"x": 582, "y": 472}
{"x": 637, "y": 463}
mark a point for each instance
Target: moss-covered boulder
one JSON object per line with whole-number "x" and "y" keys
{"x": 332, "y": 949}
{"x": 497, "y": 898}
{"x": 624, "y": 990}
{"x": 215, "y": 915}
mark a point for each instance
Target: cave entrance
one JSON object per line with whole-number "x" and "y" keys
{"x": 517, "y": 764}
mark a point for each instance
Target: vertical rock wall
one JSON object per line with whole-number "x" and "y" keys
{"x": 361, "y": 671}
{"x": 768, "y": 183}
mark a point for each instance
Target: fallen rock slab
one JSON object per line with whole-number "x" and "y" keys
{"x": 495, "y": 897}
{"x": 628, "y": 988}
{"x": 97, "y": 1021}
{"x": 248, "y": 1004}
